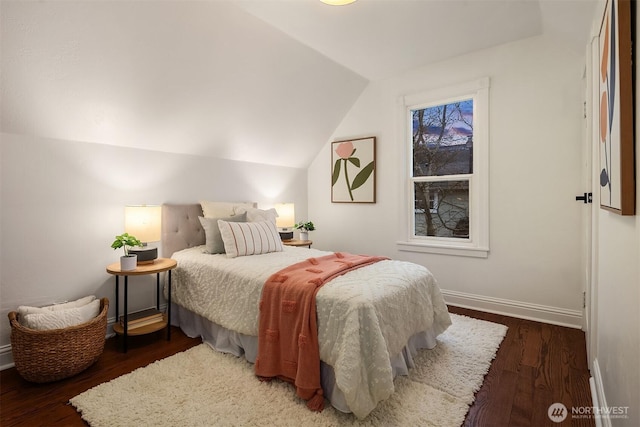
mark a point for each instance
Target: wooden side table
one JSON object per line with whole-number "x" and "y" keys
{"x": 159, "y": 265}
{"x": 298, "y": 243}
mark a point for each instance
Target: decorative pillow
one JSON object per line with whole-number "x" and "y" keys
{"x": 224, "y": 209}
{"x": 257, "y": 215}
{"x": 214, "y": 242}
{"x": 23, "y": 310}
{"x": 59, "y": 319}
{"x": 249, "y": 238}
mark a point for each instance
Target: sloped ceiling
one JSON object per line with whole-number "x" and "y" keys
{"x": 377, "y": 39}
{"x": 254, "y": 80}
{"x": 380, "y": 38}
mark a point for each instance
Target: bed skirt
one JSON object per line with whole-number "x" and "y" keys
{"x": 228, "y": 341}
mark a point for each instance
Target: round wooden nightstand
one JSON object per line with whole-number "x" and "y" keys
{"x": 298, "y": 243}
{"x": 158, "y": 266}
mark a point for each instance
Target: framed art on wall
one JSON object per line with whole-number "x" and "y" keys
{"x": 617, "y": 180}
{"x": 353, "y": 175}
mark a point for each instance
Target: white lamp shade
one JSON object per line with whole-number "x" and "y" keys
{"x": 337, "y": 2}
{"x": 143, "y": 222}
{"x": 286, "y": 215}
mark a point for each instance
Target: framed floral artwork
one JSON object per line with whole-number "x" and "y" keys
{"x": 617, "y": 181}
{"x": 353, "y": 170}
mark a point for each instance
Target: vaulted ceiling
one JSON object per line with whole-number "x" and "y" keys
{"x": 264, "y": 81}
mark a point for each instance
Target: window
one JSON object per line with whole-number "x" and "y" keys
{"x": 446, "y": 134}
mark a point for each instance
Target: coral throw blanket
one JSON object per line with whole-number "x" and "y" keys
{"x": 288, "y": 335}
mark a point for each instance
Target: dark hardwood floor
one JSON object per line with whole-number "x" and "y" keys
{"x": 537, "y": 365}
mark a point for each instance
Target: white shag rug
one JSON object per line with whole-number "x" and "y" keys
{"x": 202, "y": 387}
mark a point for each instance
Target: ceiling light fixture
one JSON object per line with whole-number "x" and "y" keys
{"x": 337, "y": 2}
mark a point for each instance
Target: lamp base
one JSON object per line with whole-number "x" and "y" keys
{"x": 286, "y": 235}
{"x": 145, "y": 255}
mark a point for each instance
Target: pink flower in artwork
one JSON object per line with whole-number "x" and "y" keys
{"x": 345, "y": 150}
{"x": 348, "y": 163}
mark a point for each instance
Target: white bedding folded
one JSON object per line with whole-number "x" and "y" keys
{"x": 23, "y": 310}
{"x": 59, "y": 316}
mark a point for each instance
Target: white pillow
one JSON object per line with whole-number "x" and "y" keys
{"x": 60, "y": 319}
{"x": 224, "y": 209}
{"x": 257, "y": 215}
{"x": 23, "y": 310}
{"x": 249, "y": 238}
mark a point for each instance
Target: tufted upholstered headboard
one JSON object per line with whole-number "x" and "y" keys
{"x": 181, "y": 228}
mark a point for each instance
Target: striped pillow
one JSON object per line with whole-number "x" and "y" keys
{"x": 249, "y": 238}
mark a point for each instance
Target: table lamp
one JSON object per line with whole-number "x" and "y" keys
{"x": 144, "y": 223}
{"x": 285, "y": 220}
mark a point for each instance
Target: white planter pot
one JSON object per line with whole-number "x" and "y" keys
{"x": 304, "y": 235}
{"x": 128, "y": 263}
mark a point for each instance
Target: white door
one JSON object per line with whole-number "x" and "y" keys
{"x": 590, "y": 218}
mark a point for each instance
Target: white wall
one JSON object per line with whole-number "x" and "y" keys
{"x": 534, "y": 266}
{"x": 63, "y": 202}
{"x": 196, "y": 77}
{"x": 615, "y": 362}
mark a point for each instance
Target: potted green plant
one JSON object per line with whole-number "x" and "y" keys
{"x": 305, "y": 228}
{"x": 128, "y": 261}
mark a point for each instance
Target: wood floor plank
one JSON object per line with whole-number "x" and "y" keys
{"x": 536, "y": 365}
{"x": 521, "y": 409}
{"x": 531, "y": 356}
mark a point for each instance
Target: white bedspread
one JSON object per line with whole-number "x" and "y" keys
{"x": 364, "y": 316}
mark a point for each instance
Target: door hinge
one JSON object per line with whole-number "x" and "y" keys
{"x": 584, "y": 299}
{"x": 586, "y": 198}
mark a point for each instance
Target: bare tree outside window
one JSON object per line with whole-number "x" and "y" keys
{"x": 442, "y": 167}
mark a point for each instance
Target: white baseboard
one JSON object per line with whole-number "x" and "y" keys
{"x": 594, "y": 399}
{"x": 597, "y": 394}
{"x": 519, "y": 309}
{"x": 6, "y": 357}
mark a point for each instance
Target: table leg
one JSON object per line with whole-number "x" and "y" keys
{"x": 169, "y": 307}
{"x": 126, "y": 312}
{"x": 158, "y": 291}
{"x": 117, "y": 298}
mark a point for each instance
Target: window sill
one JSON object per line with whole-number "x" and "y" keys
{"x": 455, "y": 250}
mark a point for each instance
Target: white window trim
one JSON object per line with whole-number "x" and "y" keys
{"x": 477, "y": 245}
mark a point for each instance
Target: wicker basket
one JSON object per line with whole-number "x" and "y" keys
{"x": 51, "y": 355}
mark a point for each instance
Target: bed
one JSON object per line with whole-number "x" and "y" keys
{"x": 371, "y": 321}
